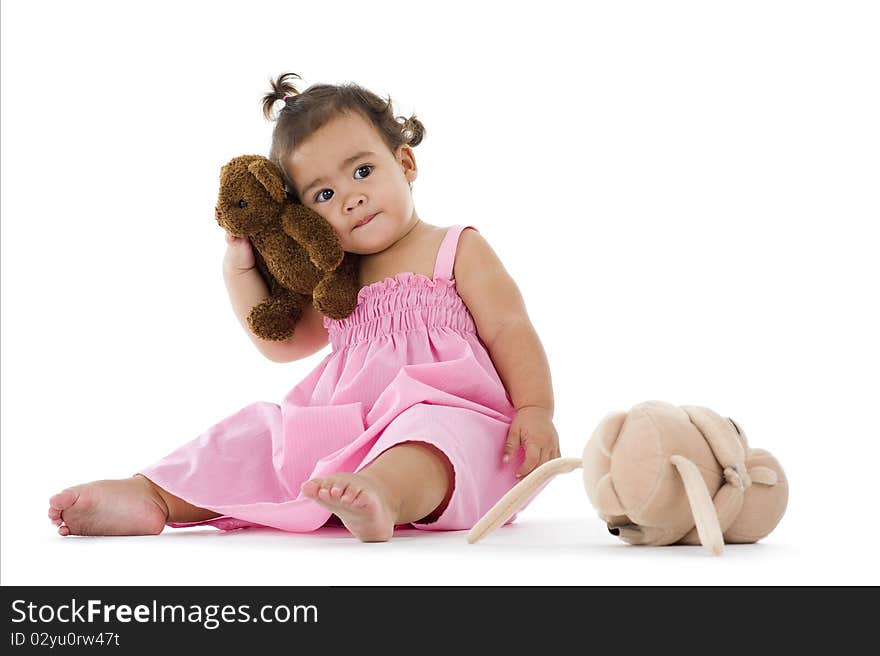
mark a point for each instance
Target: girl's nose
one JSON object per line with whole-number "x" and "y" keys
{"x": 355, "y": 201}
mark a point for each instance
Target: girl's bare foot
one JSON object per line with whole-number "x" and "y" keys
{"x": 129, "y": 506}
{"x": 364, "y": 507}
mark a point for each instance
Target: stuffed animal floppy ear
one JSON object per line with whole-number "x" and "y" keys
{"x": 662, "y": 474}
{"x": 295, "y": 249}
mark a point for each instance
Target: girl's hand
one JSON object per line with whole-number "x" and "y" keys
{"x": 532, "y": 429}
{"x": 239, "y": 254}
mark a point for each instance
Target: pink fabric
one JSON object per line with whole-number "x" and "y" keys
{"x": 406, "y": 365}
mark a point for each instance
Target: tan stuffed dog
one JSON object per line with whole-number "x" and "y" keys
{"x": 662, "y": 474}
{"x": 295, "y": 249}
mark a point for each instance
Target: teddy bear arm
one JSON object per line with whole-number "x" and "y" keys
{"x": 313, "y": 232}
{"x": 336, "y": 295}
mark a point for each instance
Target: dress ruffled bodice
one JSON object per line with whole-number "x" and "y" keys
{"x": 408, "y": 301}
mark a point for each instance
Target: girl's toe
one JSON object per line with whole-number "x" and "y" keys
{"x": 63, "y": 499}
{"x": 310, "y": 488}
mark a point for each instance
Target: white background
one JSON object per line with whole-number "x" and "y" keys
{"x": 686, "y": 194}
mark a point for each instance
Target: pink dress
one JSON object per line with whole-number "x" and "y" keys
{"x": 406, "y": 365}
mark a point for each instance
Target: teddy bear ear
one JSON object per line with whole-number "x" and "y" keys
{"x": 519, "y": 494}
{"x": 267, "y": 175}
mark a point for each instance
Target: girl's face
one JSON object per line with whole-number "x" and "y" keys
{"x": 345, "y": 173}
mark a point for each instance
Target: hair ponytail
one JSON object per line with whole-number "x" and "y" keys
{"x": 281, "y": 89}
{"x": 412, "y": 130}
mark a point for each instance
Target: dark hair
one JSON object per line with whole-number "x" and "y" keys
{"x": 304, "y": 113}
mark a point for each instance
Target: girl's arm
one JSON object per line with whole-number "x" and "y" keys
{"x": 502, "y": 323}
{"x": 504, "y": 327}
{"x": 247, "y": 289}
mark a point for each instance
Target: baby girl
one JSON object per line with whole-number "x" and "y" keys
{"x": 435, "y": 398}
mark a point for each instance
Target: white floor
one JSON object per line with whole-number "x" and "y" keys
{"x": 543, "y": 547}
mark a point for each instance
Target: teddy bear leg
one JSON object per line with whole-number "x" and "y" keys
{"x": 275, "y": 318}
{"x": 335, "y": 295}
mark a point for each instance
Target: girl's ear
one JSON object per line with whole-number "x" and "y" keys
{"x": 407, "y": 160}
{"x": 267, "y": 175}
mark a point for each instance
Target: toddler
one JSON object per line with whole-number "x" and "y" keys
{"x": 436, "y": 396}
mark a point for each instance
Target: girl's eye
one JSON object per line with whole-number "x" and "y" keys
{"x": 320, "y": 197}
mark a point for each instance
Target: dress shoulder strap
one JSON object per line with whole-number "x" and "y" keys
{"x": 446, "y": 254}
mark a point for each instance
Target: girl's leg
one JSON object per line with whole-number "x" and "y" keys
{"x": 128, "y": 506}
{"x": 419, "y": 479}
{"x": 409, "y": 482}
{"x": 178, "y": 510}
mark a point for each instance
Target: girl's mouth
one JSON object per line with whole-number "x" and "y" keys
{"x": 365, "y": 221}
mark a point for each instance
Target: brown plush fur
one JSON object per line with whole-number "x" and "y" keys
{"x": 295, "y": 249}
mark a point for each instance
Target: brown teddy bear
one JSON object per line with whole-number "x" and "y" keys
{"x": 295, "y": 249}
